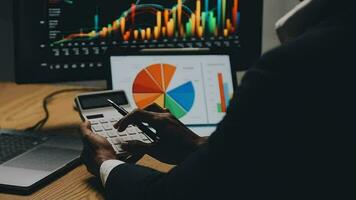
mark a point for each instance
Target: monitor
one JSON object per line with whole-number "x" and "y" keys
{"x": 195, "y": 88}
{"x": 69, "y": 40}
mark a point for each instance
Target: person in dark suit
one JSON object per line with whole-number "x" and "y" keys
{"x": 288, "y": 133}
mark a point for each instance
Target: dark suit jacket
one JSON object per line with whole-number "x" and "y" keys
{"x": 288, "y": 133}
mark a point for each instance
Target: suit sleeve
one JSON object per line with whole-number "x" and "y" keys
{"x": 186, "y": 181}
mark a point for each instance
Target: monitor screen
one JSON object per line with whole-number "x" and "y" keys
{"x": 143, "y": 20}
{"x": 195, "y": 88}
{"x": 69, "y": 40}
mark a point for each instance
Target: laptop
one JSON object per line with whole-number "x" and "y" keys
{"x": 197, "y": 89}
{"x": 28, "y": 160}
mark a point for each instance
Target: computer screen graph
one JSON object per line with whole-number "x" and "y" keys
{"x": 143, "y": 20}
{"x": 196, "y": 89}
{"x": 69, "y": 40}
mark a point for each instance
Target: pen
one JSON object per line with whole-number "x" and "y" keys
{"x": 145, "y": 128}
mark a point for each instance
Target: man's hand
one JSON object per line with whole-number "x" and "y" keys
{"x": 176, "y": 140}
{"x": 96, "y": 149}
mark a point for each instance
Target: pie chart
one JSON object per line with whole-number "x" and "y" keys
{"x": 152, "y": 85}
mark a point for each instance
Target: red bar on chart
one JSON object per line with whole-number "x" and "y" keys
{"x": 222, "y": 92}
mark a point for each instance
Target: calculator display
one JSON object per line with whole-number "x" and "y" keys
{"x": 100, "y": 100}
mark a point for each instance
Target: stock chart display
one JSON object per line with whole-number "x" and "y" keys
{"x": 142, "y": 21}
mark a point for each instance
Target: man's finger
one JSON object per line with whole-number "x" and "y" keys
{"x": 85, "y": 129}
{"x": 137, "y": 116}
{"x": 89, "y": 138}
{"x": 136, "y": 147}
{"x": 87, "y": 133}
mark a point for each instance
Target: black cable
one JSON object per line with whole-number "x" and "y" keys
{"x": 39, "y": 125}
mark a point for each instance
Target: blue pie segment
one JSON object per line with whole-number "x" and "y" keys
{"x": 184, "y": 95}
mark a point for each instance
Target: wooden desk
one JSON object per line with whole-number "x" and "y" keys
{"x": 21, "y": 107}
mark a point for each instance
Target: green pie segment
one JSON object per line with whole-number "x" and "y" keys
{"x": 174, "y": 107}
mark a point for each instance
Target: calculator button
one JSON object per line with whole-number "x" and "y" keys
{"x": 138, "y": 130}
{"x": 112, "y": 133}
{"x": 136, "y": 137}
{"x": 123, "y": 133}
{"x": 126, "y": 138}
{"x": 97, "y": 128}
{"x": 102, "y": 134}
{"x": 113, "y": 120}
{"x": 108, "y": 127}
{"x": 118, "y": 148}
{"x": 94, "y": 122}
{"x": 146, "y": 140}
{"x": 103, "y": 121}
{"x": 111, "y": 140}
{"x": 130, "y": 126}
{"x": 115, "y": 140}
{"x": 142, "y": 137}
{"x": 118, "y": 140}
{"x": 131, "y": 131}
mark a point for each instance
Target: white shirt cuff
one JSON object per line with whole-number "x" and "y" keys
{"x": 106, "y": 168}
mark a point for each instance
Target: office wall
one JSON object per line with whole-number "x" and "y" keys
{"x": 273, "y": 10}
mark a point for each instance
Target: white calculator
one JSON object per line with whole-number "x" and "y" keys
{"x": 95, "y": 108}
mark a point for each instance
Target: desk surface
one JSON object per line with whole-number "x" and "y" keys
{"x": 21, "y": 107}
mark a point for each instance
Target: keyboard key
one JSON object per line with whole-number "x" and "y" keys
{"x": 13, "y": 145}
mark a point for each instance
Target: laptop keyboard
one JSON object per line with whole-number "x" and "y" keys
{"x": 12, "y": 145}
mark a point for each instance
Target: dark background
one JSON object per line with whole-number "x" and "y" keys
{"x": 272, "y": 11}
{"x": 6, "y": 41}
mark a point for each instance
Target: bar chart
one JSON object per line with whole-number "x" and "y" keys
{"x": 157, "y": 20}
{"x": 224, "y": 94}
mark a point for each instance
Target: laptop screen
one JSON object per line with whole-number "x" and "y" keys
{"x": 195, "y": 88}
